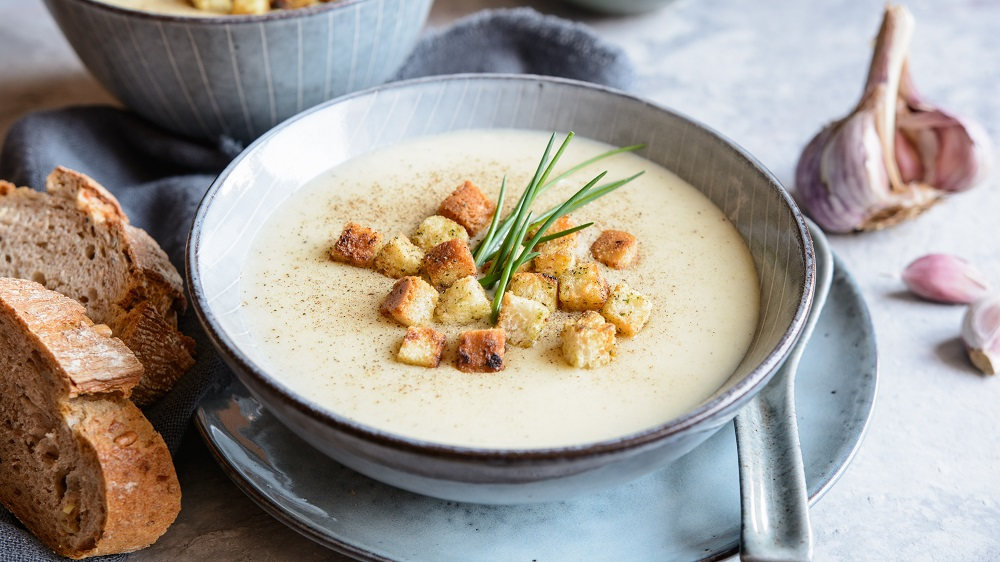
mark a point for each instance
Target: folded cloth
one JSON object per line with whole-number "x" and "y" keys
{"x": 160, "y": 177}
{"x": 520, "y": 41}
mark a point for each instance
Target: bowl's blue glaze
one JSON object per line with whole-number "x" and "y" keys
{"x": 280, "y": 162}
{"x": 239, "y": 75}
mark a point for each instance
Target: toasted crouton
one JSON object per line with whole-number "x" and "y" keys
{"x": 421, "y": 347}
{"x": 615, "y": 248}
{"x": 437, "y": 229}
{"x": 448, "y": 262}
{"x": 221, "y": 6}
{"x": 522, "y": 319}
{"x": 583, "y": 288}
{"x": 251, "y": 6}
{"x": 468, "y": 207}
{"x": 559, "y": 255}
{"x": 481, "y": 351}
{"x": 589, "y": 341}
{"x": 399, "y": 258}
{"x": 627, "y": 309}
{"x": 539, "y": 287}
{"x": 357, "y": 245}
{"x": 463, "y": 303}
{"x": 410, "y": 302}
{"x": 293, "y": 4}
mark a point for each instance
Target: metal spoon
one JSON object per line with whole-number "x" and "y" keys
{"x": 775, "y": 501}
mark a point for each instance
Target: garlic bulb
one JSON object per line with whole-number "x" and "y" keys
{"x": 895, "y": 155}
{"x": 945, "y": 278}
{"x": 981, "y": 334}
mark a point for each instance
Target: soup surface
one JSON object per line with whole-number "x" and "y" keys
{"x": 320, "y": 333}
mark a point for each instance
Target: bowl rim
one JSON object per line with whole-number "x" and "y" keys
{"x": 221, "y": 19}
{"x": 719, "y": 405}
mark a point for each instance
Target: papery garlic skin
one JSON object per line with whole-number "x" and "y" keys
{"x": 981, "y": 333}
{"x": 945, "y": 278}
{"x": 895, "y": 155}
{"x": 955, "y": 153}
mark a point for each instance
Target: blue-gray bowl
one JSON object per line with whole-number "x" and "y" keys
{"x": 280, "y": 162}
{"x": 238, "y": 76}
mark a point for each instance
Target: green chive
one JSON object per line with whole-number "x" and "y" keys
{"x": 493, "y": 224}
{"x": 506, "y": 236}
{"x": 561, "y": 233}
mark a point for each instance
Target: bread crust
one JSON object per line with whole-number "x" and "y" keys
{"x": 141, "y": 488}
{"x": 111, "y": 266}
{"x": 89, "y": 363}
{"x": 115, "y": 489}
{"x": 159, "y": 346}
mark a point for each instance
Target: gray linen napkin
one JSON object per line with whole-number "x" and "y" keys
{"x": 160, "y": 177}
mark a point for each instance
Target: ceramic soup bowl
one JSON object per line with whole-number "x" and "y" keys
{"x": 280, "y": 162}
{"x": 238, "y": 76}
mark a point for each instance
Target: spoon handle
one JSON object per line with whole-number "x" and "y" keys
{"x": 775, "y": 504}
{"x": 775, "y": 500}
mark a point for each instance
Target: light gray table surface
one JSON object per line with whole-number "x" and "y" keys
{"x": 926, "y": 482}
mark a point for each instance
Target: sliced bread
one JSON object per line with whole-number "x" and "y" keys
{"x": 81, "y": 466}
{"x": 76, "y": 240}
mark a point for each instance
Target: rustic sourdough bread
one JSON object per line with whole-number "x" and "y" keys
{"x": 80, "y": 465}
{"x": 76, "y": 240}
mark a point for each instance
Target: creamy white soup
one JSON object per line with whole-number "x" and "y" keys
{"x": 319, "y": 330}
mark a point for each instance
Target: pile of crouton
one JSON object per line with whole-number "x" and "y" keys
{"x": 244, "y": 7}
{"x": 438, "y": 282}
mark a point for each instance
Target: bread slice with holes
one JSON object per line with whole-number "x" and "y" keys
{"x": 81, "y": 466}
{"x": 75, "y": 239}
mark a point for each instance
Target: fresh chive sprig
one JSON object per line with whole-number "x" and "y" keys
{"x": 595, "y": 194}
{"x": 487, "y": 249}
{"x": 509, "y": 267}
{"x": 505, "y": 241}
{"x": 491, "y": 231}
{"x": 512, "y": 264}
{"x": 562, "y": 233}
{"x": 500, "y": 255}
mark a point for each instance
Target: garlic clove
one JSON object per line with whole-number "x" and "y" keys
{"x": 895, "y": 155}
{"x": 908, "y": 159}
{"x": 955, "y": 153}
{"x": 945, "y": 278}
{"x": 981, "y": 333}
{"x": 827, "y": 161}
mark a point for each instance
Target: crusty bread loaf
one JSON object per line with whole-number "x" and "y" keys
{"x": 81, "y": 466}
{"x": 76, "y": 240}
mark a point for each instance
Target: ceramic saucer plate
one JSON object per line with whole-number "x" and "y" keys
{"x": 687, "y": 511}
